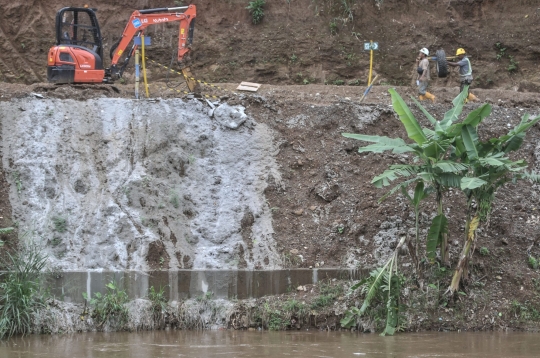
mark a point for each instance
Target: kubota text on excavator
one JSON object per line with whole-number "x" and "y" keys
{"x": 78, "y": 54}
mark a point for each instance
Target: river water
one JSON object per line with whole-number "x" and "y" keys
{"x": 272, "y": 344}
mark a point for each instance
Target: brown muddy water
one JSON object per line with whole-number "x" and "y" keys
{"x": 272, "y": 344}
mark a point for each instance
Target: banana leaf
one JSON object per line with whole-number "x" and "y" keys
{"x": 439, "y": 226}
{"x": 406, "y": 117}
{"x": 470, "y": 138}
{"x": 475, "y": 117}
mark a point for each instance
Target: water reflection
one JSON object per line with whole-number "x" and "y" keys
{"x": 272, "y": 344}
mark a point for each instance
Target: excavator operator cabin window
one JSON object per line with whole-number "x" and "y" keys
{"x": 66, "y": 57}
{"x": 79, "y": 28}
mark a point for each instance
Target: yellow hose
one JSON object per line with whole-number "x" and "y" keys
{"x": 144, "y": 67}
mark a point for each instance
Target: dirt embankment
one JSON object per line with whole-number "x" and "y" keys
{"x": 324, "y": 211}
{"x": 304, "y": 41}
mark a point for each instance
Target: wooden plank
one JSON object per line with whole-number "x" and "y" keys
{"x": 247, "y": 88}
{"x": 251, "y": 84}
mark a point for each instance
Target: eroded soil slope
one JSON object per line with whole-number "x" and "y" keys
{"x": 324, "y": 211}
{"x": 322, "y": 207}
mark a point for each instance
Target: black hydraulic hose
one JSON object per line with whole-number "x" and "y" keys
{"x": 126, "y": 62}
{"x": 167, "y": 80}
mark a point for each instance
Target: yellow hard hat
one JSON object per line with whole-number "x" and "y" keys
{"x": 460, "y": 51}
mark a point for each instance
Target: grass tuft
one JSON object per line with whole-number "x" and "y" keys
{"x": 60, "y": 224}
{"x": 20, "y": 291}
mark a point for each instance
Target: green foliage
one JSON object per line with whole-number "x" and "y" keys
{"x": 60, "y": 224}
{"x": 56, "y": 241}
{"x": 501, "y": 51}
{"x": 109, "y": 307}
{"x": 339, "y": 82}
{"x": 533, "y": 262}
{"x": 274, "y": 318}
{"x": 294, "y": 307}
{"x": 470, "y": 137}
{"x": 536, "y": 284}
{"x": 333, "y": 27}
{"x": 525, "y": 311}
{"x": 175, "y": 199}
{"x": 18, "y": 182}
{"x": 406, "y": 117}
{"x": 322, "y": 301}
{"x": 6, "y": 230}
{"x": 328, "y": 294}
{"x": 489, "y": 167}
{"x": 277, "y": 315}
{"x": 381, "y": 291}
{"x": 159, "y": 301}
{"x": 450, "y": 154}
{"x": 294, "y": 58}
{"x": 420, "y": 193}
{"x": 127, "y": 191}
{"x": 513, "y": 66}
{"x": 275, "y": 321}
{"x": 146, "y": 181}
{"x": 382, "y": 144}
{"x": 256, "y": 9}
{"x": 439, "y": 227}
{"x": 484, "y": 251}
{"x": 21, "y": 291}
{"x": 205, "y": 297}
{"x": 430, "y": 149}
{"x": 347, "y": 10}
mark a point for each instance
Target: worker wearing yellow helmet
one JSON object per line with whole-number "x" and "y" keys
{"x": 465, "y": 71}
{"x": 422, "y": 64}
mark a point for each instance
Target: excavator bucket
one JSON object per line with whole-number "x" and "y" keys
{"x": 191, "y": 82}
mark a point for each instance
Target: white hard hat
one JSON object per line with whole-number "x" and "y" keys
{"x": 425, "y": 51}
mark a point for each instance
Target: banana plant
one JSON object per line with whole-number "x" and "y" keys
{"x": 450, "y": 155}
{"x": 382, "y": 287}
{"x": 420, "y": 193}
{"x": 431, "y": 148}
{"x": 489, "y": 169}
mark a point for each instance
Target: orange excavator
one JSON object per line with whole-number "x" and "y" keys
{"x": 77, "y": 56}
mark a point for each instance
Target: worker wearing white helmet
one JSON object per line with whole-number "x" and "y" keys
{"x": 422, "y": 64}
{"x": 465, "y": 72}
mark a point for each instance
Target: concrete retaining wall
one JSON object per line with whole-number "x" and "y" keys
{"x": 185, "y": 284}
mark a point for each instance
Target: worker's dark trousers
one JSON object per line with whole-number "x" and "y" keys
{"x": 463, "y": 84}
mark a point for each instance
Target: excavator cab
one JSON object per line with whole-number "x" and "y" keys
{"x": 78, "y": 54}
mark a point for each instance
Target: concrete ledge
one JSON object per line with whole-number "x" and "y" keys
{"x": 183, "y": 284}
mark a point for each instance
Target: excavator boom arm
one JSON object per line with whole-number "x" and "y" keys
{"x": 141, "y": 19}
